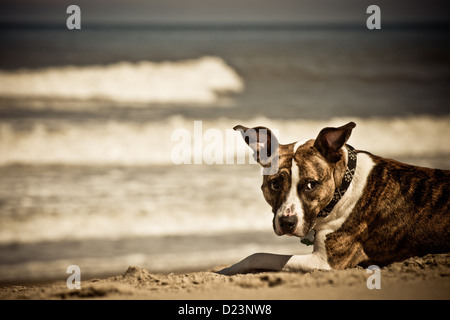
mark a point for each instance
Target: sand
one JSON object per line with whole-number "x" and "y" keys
{"x": 415, "y": 278}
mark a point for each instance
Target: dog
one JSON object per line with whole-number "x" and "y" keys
{"x": 363, "y": 209}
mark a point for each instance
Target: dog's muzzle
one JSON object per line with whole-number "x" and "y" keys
{"x": 288, "y": 224}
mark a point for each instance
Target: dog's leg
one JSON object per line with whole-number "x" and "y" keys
{"x": 276, "y": 262}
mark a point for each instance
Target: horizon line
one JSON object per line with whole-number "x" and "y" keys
{"x": 256, "y": 25}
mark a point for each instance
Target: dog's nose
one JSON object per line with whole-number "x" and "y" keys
{"x": 288, "y": 223}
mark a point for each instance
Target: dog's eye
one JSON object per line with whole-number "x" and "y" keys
{"x": 275, "y": 185}
{"x": 311, "y": 185}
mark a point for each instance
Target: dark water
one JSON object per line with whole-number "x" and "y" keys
{"x": 300, "y": 72}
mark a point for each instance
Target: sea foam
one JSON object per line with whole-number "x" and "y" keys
{"x": 125, "y": 143}
{"x": 197, "y": 81}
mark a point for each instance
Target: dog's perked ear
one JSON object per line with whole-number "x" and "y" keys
{"x": 263, "y": 143}
{"x": 330, "y": 140}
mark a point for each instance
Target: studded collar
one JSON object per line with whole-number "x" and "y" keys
{"x": 346, "y": 180}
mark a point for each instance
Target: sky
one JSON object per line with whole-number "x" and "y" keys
{"x": 223, "y": 11}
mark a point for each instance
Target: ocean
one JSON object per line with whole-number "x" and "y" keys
{"x": 87, "y": 123}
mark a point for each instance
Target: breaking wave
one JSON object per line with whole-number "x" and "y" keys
{"x": 197, "y": 81}
{"x": 127, "y": 143}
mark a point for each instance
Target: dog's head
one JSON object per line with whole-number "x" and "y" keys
{"x": 306, "y": 175}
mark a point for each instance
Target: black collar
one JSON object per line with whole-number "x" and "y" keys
{"x": 346, "y": 180}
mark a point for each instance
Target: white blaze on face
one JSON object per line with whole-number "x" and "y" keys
{"x": 292, "y": 205}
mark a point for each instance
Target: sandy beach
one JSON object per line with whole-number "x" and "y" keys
{"x": 415, "y": 278}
